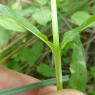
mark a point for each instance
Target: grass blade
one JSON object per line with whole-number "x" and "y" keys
{"x": 32, "y": 86}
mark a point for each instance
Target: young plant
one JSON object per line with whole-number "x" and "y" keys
{"x": 13, "y": 20}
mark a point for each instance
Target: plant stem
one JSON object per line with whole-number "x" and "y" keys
{"x": 56, "y": 46}
{"x": 58, "y": 69}
{"x": 54, "y": 22}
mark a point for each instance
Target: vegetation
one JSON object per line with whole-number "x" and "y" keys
{"x": 37, "y": 36}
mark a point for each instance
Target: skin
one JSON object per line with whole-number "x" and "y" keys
{"x": 10, "y": 79}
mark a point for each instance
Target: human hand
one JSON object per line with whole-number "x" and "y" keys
{"x": 10, "y": 79}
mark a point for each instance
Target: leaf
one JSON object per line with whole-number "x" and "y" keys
{"x": 80, "y": 16}
{"x": 27, "y": 12}
{"x": 42, "y": 16}
{"x": 42, "y": 2}
{"x": 10, "y": 24}
{"x": 4, "y": 36}
{"x": 76, "y": 5}
{"x": 71, "y": 35}
{"x": 13, "y": 65}
{"x": 66, "y": 4}
{"x": 92, "y": 73}
{"x": 30, "y": 55}
{"x": 43, "y": 83}
{"x": 78, "y": 68}
{"x": 45, "y": 70}
{"x": 68, "y": 37}
{"x": 23, "y": 22}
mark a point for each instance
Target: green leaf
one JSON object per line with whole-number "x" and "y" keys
{"x": 42, "y": 16}
{"x": 10, "y": 24}
{"x": 77, "y": 5}
{"x": 78, "y": 68}
{"x": 23, "y": 22}
{"x": 42, "y": 2}
{"x": 45, "y": 70}
{"x": 27, "y": 11}
{"x": 4, "y": 36}
{"x": 30, "y": 55}
{"x": 68, "y": 37}
{"x": 13, "y": 65}
{"x": 92, "y": 73}
{"x": 80, "y": 16}
{"x": 66, "y": 4}
{"x": 71, "y": 35}
{"x": 32, "y": 86}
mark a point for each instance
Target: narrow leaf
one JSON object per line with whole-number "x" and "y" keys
{"x": 23, "y": 22}
{"x": 32, "y": 86}
{"x": 78, "y": 78}
{"x": 10, "y": 24}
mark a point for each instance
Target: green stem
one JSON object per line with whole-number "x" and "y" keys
{"x": 54, "y": 22}
{"x": 58, "y": 69}
{"x": 56, "y": 46}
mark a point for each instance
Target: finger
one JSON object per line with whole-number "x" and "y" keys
{"x": 11, "y": 79}
{"x": 66, "y": 92}
{"x": 46, "y": 90}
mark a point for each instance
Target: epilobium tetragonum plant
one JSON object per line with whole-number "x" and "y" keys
{"x": 13, "y": 20}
